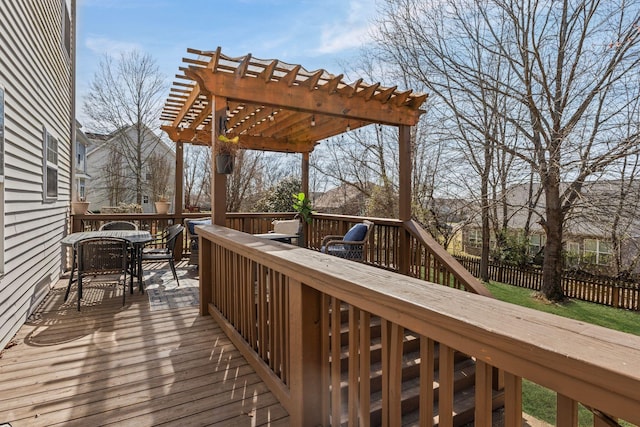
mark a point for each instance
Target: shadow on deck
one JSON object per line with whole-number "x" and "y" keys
{"x": 130, "y": 365}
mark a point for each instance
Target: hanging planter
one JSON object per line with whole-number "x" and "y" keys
{"x": 224, "y": 163}
{"x": 225, "y": 149}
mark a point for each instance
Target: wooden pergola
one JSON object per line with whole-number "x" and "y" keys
{"x": 274, "y": 106}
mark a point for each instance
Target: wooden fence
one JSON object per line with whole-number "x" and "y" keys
{"x": 600, "y": 290}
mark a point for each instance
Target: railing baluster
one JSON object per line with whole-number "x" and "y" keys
{"x": 483, "y": 394}
{"x": 336, "y": 401}
{"x": 365, "y": 369}
{"x": 567, "y": 415}
{"x": 512, "y": 400}
{"x": 354, "y": 365}
{"x": 445, "y": 393}
{"x": 427, "y": 366}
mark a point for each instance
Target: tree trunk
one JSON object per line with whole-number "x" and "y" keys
{"x": 552, "y": 266}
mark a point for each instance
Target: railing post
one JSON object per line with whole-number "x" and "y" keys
{"x": 205, "y": 266}
{"x": 306, "y": 355}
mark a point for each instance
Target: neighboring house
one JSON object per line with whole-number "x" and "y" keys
{"x": 344, "y": 199}
{"x": 113, "y": 181}
{"x": 588, "y": 227}
{"x": 37, "y": 126}
{"x": 81, "y": 176}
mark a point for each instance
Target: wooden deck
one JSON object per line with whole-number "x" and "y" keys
{"x": 115, "y": 365}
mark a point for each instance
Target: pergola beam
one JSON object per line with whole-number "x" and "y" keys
{"x": 300, "y": 99}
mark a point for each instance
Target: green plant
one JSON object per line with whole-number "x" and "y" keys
{"x": 302, "y": 205}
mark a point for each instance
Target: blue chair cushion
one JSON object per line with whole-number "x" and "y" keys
{"x": 192, "y": 225}
{"x": 356, "y": 233}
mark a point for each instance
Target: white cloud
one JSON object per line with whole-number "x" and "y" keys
{"x": 353, "y": 30}
{"x": 102, "y": 45}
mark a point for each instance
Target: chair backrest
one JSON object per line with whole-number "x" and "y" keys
{"x": 359, "y": 233}
{"x": 286, "y": 226}
{"x": 118, "y": 225}
{"x": 190, "y": 224}
{"x": 171, "y": 235}
{"x": 102, "y": 255}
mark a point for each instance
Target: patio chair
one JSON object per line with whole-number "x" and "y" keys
{"x": 101, "y": 256}
{"x": 287, "y": 226}
{"x": 118, "y": 225}
{"x": 192, "y": 236}
{"x": 350, "y": 246}
{"x": 166, "y": 253}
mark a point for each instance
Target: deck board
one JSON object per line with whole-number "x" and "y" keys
{"x": 115, "y": 365}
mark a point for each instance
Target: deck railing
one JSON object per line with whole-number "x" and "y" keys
{"x": 283, "y": 307}
{"x": 427, "y": 260}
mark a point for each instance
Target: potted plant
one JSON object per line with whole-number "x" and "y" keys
{"x": 302, "y": 205}
{"x": 80, "y": 206}
{"x": 163, "y": 205}
{"x": 225, "y": 150}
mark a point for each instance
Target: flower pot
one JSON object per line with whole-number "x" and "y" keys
{"x": 224, "y": 163}
{"x": 79, "y": 208}
{"x": 162, "y": 208}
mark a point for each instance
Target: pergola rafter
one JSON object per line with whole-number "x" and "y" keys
{"x": 274, "y": 106}
{"x": 277, "y": 105}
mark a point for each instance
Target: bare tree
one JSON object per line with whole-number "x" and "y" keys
{"x": 566, "y": 61}
{"x": 245, "y": 183}
{"x": 125, "y": 93}
{"x": 197, "y": 175}
{"x": 114, "y": 181}
{"x": 157, "y": 176}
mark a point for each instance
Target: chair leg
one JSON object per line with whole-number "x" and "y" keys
{"x": 79, "y": 290}
{"x": 73, "y": 269}
{"x": 173, "y": 269}
{"x": 66, "y": 295}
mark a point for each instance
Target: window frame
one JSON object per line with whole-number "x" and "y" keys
{"x": 598, "y": 253}
{"x": 50, "y": 165}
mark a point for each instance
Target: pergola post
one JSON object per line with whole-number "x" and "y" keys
{"x": 404, "y": 202}
{"x": 218, "y": 181}
{"x": 305, "y": 174}
{"x": 305, "y": 190}
{"x": 178, "y": 201}
{"x": 177, "y": 196}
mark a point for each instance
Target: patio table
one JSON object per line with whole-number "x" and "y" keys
{"x": 136, "y": 238}
{"x": 278, "y": 237}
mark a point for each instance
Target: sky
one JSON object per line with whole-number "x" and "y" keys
{"x": 313, "y": 33}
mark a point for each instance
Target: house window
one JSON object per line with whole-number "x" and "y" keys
{"x": 475, "y": 238}
{"x": 597, "y": 252}
{"x": 536, "y": 243}
{"x": 81, "y": 189}
{"x": 80, "y": 157}
{"x": 145, "y": 199}
{"x": 50, "y": 157}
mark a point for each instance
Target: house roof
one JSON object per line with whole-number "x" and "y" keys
{"x": 272, "y": 105}
{"x": 592, "y": 215}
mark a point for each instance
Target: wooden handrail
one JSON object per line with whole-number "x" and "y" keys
{"x": 470, "y": 283}
{"x": 269, "y": 296}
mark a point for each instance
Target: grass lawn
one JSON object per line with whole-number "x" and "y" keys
{"x": 539, "y": 401}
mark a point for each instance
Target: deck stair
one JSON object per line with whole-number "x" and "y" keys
{"x": 464, "y": 379}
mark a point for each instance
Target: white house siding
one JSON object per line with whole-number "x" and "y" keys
{"x": 36, "y": 76}
{"x": 98, "y": 157}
